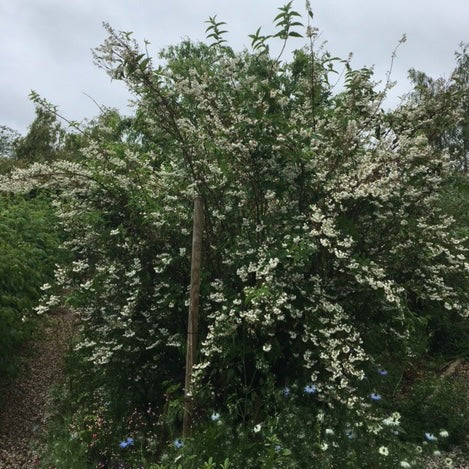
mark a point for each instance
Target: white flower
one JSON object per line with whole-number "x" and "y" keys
{"x": 404, "y": 464}
{"x": 444, "y": 434}
{"x": 324, "y": 446}
{"x": 383, "y": 451}
{"x": 392, "y": 420}
{"x": 436, "y": 453}
{"x": 283, "y": 101}
{"x": 269, "y": 195}
{"x": 448, "y": 462}
{"x": 273, "y": 262}
{"x": 329, "y": 431}
{"x": 257, "y": 428}
{"x": 267, "y": 347}
{"x": 41, "y": 309}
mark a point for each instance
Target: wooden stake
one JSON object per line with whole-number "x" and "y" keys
{"x": 193, "y": 319}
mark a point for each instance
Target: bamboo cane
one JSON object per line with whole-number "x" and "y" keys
{"x": 193, "y": 318}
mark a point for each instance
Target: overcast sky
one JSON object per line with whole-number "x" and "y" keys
{"x": 45, "y": 45}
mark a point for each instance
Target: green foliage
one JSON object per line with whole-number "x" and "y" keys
{"x": 443, "y": 107}
{"x": 285, "y": 21}
{"x": 42, "y": 141}
{"x": 290, "y": 437}
{"x": 326, "y": 255}
{"x": 63, "y": 448}
{"x": 29, "y": 250}
{"x": 434, "y": 404}
{"x": 454, "y": 201}
{"x": 215, "y": 32}
{"x": 7, "y": 139}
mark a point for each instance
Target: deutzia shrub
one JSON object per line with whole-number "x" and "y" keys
{"x": 324, "y": 250}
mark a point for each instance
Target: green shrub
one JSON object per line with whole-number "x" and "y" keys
{"x": 436, "y": 404}
{"x": 29, "y": 250}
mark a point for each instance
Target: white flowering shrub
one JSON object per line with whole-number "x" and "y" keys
{"x": 324, "y": 252}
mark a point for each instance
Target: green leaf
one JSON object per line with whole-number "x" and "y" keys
{"x": 144, "y": 63}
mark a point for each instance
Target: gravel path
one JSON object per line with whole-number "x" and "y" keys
{"x": 26, "y": 399}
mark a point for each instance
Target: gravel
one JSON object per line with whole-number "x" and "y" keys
{"x": 25, "y": 399}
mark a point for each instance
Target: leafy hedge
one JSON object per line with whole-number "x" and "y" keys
{"x": 29, "y": 249}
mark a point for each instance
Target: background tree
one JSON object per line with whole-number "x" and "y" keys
{"x": 440, "y": 109}
{"x": 7, "y": 139}
{"x": 443, "y": 109}
{"x": 43, "y": 141}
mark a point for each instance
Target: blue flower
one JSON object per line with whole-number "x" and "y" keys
{"x": 286, "y": 391}
{"x": 430, "y": 437}
{"x": 375, "y": 397}
{"x": 310, "y": 389}
{"x": 125, "y": 443}
{"x": 178, "y": 443}
{"x": 215, "y": 416}
{"x": 382, "y": 371}
{"x": 349, "y": 433}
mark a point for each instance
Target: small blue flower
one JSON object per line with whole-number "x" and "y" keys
{"x": 178, "y": 443}
{"x": 430, "y": 437}
{"x": 286, "y": 391}
{"x": 382, "y": 372}
{"x": 310, "y": 389}
{"x": 125, "y": 443}
{"x": 215, "y": 416}
{"x": 375, "y": 397}
{"x": 349, "y": 433}
{"x": 278, "y": 448}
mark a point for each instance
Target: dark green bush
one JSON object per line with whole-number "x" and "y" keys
{"x": 437, "y": 404}
{"x": 29, "y": 249}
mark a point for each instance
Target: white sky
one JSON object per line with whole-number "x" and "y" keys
{"x": 45, "y": 44}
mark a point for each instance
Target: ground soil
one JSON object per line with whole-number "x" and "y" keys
{"x": 26, "y": 399}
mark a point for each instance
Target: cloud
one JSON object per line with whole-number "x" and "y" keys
{"x": 46, "y": 45}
